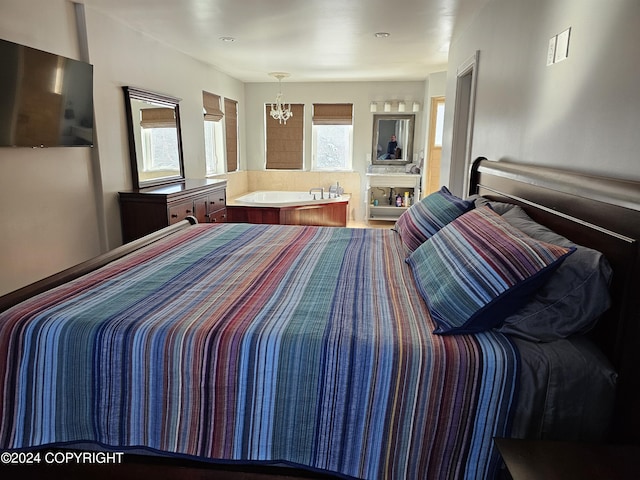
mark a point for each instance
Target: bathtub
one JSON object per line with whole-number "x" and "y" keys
{"x": 273, "y": 198}
{"x": 288, "y": 208}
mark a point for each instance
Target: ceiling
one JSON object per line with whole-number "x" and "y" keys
{"x": 312, "y": 40}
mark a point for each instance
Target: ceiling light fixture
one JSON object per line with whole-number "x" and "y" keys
{"x": 382, "y": 34}
{"x": 279, "y": 111}
{"x": 227, "y": 39}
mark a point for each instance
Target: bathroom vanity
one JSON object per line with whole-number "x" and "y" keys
{"x": 382, "y": 190}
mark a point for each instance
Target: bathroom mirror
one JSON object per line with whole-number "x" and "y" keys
{"x": 392, "y": 139}
{"x": 155, "y": 144}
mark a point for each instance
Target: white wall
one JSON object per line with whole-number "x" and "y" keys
{"x": 361, "y": 94}
{"x": 48, "y": 211}
{"x": 582, "y": 113}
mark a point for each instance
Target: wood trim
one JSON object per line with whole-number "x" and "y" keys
{"x": 17, "y": 296}
{"x": 333, "y": 214}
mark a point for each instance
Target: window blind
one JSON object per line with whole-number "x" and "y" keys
{"x": 285, "y": 141}
{"x": 211, "y": 106}
{"x": 231, "y": 131}
{"x": 332, "y": 113}
{"x": 157, "y": 118}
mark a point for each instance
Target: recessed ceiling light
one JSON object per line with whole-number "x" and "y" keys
{"x": 382, "y": 34}
{"x": 227, "y": 39}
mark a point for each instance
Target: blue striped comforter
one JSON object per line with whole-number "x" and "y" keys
{"x": 306, "y": 345}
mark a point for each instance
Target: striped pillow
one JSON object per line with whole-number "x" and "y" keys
{"x": 426, "y": 217}
{"x": 479, "y": 269}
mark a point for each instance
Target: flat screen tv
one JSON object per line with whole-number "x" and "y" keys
{"x": 45, "y": 100}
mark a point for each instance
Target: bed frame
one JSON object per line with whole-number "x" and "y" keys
{"x": 17, "y": 296}
{"x": 597, "y": 212}
{"x": 601, "y": 213}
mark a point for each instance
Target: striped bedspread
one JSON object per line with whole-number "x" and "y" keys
{"x": 304, "y": 345}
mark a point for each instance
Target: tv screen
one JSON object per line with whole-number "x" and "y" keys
{"x": 45, "y": 100}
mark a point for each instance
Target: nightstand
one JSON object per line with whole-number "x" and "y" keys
{"x": 547, "y": 460}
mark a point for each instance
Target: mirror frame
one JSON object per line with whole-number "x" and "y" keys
{"x": 133, "y": 93}
{"x": 408, "y": 149}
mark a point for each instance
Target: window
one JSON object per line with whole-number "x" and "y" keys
{"x": 285, "y": 141}
{"x": 332, "y": 136}
{"x": 159, "y": 139}
{"x": 213, "y": 134}
{"x": 161, "y": 149}
{"x": 213, "y": 147}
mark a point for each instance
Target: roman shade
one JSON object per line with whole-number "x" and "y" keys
{"x": 285, "y": 140}
{"x": 332, "y": 113}
{"x": 211, "y": 106}
{"x": 231, "y": 128}
{"x": 157, "y": 118}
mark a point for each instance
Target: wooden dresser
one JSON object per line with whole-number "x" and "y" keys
{"x": 146, "y": 210}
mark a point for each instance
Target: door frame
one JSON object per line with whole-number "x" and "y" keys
{"x": 463, "y": 120}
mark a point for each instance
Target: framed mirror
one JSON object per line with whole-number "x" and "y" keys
{"x": 392, "y": 139}
{"x": 155, "y": 143}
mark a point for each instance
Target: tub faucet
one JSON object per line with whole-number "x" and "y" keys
{"x": 336, "y": 189}
{"x": 320, "y": 189}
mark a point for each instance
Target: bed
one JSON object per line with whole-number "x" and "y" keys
{"x": 332, "y": 349}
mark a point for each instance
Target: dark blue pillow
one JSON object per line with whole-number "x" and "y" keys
{"x": 429, "y": 215}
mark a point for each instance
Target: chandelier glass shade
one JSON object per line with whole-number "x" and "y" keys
{"x": 280, "y": 111}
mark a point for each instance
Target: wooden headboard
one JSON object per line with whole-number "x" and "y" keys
{"x": 600, "y": 213}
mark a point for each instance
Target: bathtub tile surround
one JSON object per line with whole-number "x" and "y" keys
{"x": 239, "y": 183}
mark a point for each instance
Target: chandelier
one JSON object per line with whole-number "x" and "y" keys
{"x": 280, "y": 111}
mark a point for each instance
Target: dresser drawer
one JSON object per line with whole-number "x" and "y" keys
{"x": 216, "y": 201}
{"x": 219, "y": 216}
{"x": 211, "y": 208}
{"x": 180, "y": 211}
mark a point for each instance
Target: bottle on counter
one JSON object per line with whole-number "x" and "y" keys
{"x": 398, "y": 200}
{"x": 406, "y": 199}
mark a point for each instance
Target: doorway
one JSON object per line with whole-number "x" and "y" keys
{"x": 463, "y": 125}
{"x": 434, "y": 150}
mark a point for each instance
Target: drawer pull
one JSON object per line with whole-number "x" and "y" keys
{"x": 173, "y": 215}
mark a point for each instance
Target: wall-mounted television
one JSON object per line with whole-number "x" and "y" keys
{"x": 46, "y": 100}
